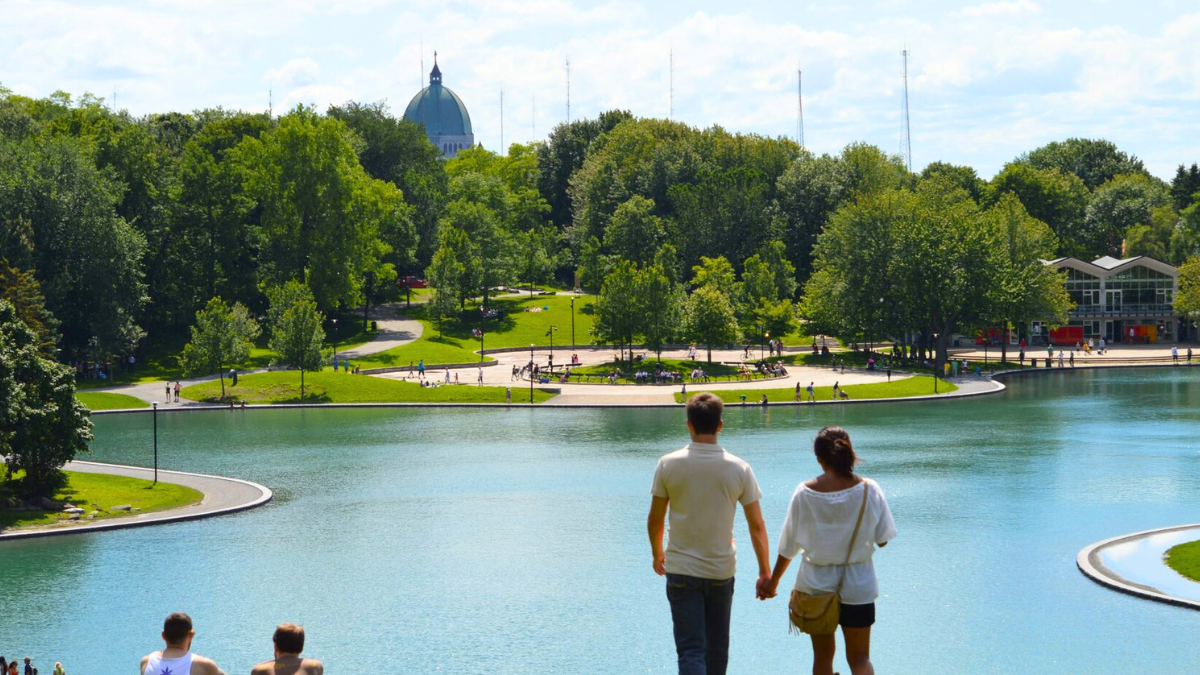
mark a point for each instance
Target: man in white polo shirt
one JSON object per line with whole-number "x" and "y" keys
{"x": 701, "y": 486}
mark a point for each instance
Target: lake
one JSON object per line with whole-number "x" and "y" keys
{"x": 513, "y": 541}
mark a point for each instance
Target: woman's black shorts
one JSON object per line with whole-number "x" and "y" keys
{"x": 856, "y": 616}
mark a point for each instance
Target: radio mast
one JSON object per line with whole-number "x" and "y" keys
{"x": 906, "y": 139}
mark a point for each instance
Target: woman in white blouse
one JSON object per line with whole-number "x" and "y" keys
{"x": 818, "y": 526}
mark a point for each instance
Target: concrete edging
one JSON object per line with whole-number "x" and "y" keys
{"x": 155, "y": 517}
{"x": 1089, "y": 563}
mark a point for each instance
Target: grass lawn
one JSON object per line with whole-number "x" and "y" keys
{"x": 98, "y": 400}
{"x": 1185, "y": 559}
{"x": 627, "y": 369}
{"x": 85, "y": 489}
{"x": 912, "y": 386}
{"x": 330, "y": 387}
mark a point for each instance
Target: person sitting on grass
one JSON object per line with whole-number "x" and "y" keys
{"x": 289, "y": 642}
{"x": 177, "y": 658}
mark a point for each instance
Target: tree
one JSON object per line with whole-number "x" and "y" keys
{"x": 1187, "y": 300}
{"x": 399, "y": 152}
{"x": 1053, "y": 197}
{"x": 297, "y": 338}
{"x": 58, "y": 218}
{"x": 1117, "y": 206}
{"x": 807, "y": 194}
{"x": 222, "y": 335}
{"x": 20, "y": 288}
{"x": 634, "y": 233}
{"x": 1154, "y": 238}
{"x": 768, "y": 274}
{"x": 961, "y": 177}
{"x": 282, "y": 298}
{"x": 709, "y": 318}
{"x": 1095, "y": 161}
{"x": 322, "y": 215}
{"x": 1028, "y": 289}
{"x": 42, "y": 425}
{"x": 618, "y": 317}
{"x": 594, "y": 266}
{"x": 661, "y": 304}
{"x": 446, "y": 274}
{"x": 1185, "y": 187}
{"x": 563, "y": 154}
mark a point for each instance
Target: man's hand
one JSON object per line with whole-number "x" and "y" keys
{"x": 660, "y": 565}
{"x": 764, "y": 589}
{"x": 655, "y": 524}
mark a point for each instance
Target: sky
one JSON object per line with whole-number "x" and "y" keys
{"x": 988, "y": 81}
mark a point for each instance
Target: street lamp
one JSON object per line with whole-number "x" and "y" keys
{"x": 154, "y": 414}
{"x": 761, "y": 338}
{"x": 334, "y": 340}
{"x": 551, "y": 334}
{"x": 531, "y": 373}
{"x": 935, "y": 363}
{"x": 481, "y": 342}
{"x": 573, "y": 347}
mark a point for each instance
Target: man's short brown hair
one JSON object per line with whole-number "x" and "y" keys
{"x": 704, "y": 412}
{"x": 176, "y": 628}
{"x": 289, "y": 638}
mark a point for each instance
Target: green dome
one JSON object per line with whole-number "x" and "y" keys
{"x": 439, "y": 109}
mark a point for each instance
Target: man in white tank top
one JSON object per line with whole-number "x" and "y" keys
{"x": 177, "y": 658}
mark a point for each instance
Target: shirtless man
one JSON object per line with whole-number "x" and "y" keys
{"x": 289, "y": 642}
{"x": 177, "y": 658}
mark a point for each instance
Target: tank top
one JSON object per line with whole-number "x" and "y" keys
{"x": 157, "y": 665}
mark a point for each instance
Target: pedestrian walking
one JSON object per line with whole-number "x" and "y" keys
{"x": 168, "y": 392}
{"x": 178, "y": 387}
{"x": 812, "y": 395}
{"x": 479, "y": 379}
{"x": 797, "y": 399}
{"x": 508, "y": 395}
{"x": 699, "y": 488}
{"x": 838, "y": 531}
{"x": 1072, "y": 359}
{"x": 1174, "y": 354}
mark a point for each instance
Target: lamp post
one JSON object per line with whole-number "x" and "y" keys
{"x": 334, "y": 339}
{"x": 551, "y": 334}
{"x": 154, "y": 414}
{"x": 935, "y": 363}
{"x": 761, "y": 339}
{"x": 481, "y": 342}
{"x": 573, "y": 347}
{"x": 531, "y": 373}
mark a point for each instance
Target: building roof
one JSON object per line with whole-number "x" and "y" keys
{"x": 1107, "y": 264}
{"x": 439, "y": 109}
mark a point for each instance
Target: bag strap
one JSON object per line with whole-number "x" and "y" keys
{"x": 854, "y": 537}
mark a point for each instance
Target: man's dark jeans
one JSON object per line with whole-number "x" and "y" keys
{"x": 700, "y": 612}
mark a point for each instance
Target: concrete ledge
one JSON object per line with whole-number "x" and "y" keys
{"x": 222, "y": 496}
{"x": 1092, "y": 566}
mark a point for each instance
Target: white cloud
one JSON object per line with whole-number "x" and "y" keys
{"x": 986, "y": 82}
{"x": 1001, "y": 9}
{"x": 294, "y": 73}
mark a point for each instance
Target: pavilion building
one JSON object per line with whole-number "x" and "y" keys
{"x": 1122, "y": 301}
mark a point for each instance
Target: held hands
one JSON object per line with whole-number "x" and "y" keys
{"x": 765, "y": 588}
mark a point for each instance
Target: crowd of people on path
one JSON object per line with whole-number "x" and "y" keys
{"x": 177, "y": 658}
{"x": 831, "y": 529}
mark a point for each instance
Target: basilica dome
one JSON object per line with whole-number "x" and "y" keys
{"x": 447, "y": 123}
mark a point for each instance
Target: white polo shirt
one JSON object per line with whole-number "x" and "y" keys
{"x": 704, "y": 485}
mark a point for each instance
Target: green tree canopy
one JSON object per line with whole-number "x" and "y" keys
{"x": 1117, "y": 206}
{"x": 296, "y": 338}
{"x": 1053, "y": 197}
{"x": 1095, "y": 161}
{"x": 221, "y": 336}
{"x": 709, "y": 319}
{"x": 42, "y": 425}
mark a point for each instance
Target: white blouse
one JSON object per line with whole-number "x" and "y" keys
{"x": 819, "y": 524}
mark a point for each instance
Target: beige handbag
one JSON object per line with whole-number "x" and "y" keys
{"x": 819, "y": 614}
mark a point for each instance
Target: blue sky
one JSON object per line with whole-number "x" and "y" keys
{"x": 988, "y": 80}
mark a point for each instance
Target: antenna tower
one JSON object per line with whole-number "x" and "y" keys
{"x": 906, "y": 140}
{"x": 421, "y": 75}
{"x": 501, "y": 122}
{"x": 800, "y": 107}
{"x": 671, "y": 115}
{"x": 568, "y": 88}
{"x": 533, "y": 115}
{"x": 270, "y": 103}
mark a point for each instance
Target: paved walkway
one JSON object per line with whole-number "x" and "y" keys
{"x": 1139, "y": 567}
{"x": 394, "y": 331}
{"x": 221, "y": 496}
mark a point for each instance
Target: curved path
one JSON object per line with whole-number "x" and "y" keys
{"x": 394, "y": 331}
{"x": 221, "y": 496}
{"x": 1140, "y": 570}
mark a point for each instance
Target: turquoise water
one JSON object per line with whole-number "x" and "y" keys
{"x": 513, "y": 541}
